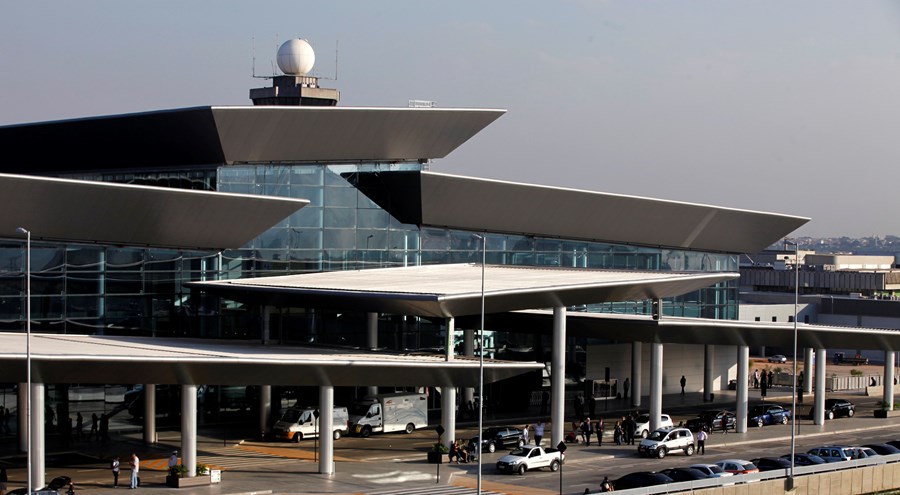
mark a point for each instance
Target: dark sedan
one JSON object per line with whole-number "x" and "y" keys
{"x": 835, "y": 408}
{"x": 685, "y": 474}
{"x": 498, "y": 437}
{"x": 883, "y": 448}
{"x": 768, "y": 414}
{"x": 772, "y": 463}
{"x": 640, "y": 480}
{"x": 713, "y": 420}
{"x": 802, "y": 459}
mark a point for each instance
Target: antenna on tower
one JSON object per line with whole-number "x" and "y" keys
{"x": 253, "y": 56}
{"x": 336, "y": 42}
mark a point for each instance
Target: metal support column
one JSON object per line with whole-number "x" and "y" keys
{"x": 38, "y": 434}
{"x": 149, "y": 413}
{"x": 21, "y": 415}
{"x": 265, "y": 408}
{"x": 558, "y": 376}
{"x": 636, "y": 365}
{"x": 889, "y": 380}
{"x": 266, "y": 324}
{"x": 709, "y": 352}
{"x": 372, "y": 342}
{"x": 448, "y": 413}
{"x": 189, "y": 429}
{"x": 743, "y": 374}
{"x": 819, "y": 408}
{"x": 656, "y": 384}
{"x": 468, "y": 393}
{"x": 326, "y": 427}
{"x": 807, "y": 370}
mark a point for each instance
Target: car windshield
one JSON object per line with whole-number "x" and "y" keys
{"x": 359, "y": 409}
{"x": 748, "y": 466}
{"x": 643, "y": 418}
{"x": 520, "y": 452}
{"x": 492, "y": 432}
{"x": 715, "y": 469}
{"x": 291, "y": 416}
{"x": 658, "y": 435}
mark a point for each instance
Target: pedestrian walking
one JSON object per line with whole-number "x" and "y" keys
{"x": 617, "y": 433}
{"x": 701, "y": 440}
{"x": 598, "y": 429}
{"x": 525, "y": 434}
{"x": 95, "y": 420}
{"x": 683, "y": 382}
{"x": 114, "y": 467}
{"x": 538, "y": 432}
{"x": 763, "y": 384}
{"x": 135, "y": 471}
{"x": 587, "y": 429}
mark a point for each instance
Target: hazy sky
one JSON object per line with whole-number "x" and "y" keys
{"x": 788, "y": 107}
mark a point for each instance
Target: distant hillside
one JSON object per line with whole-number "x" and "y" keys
{"x": 864, "y": 245}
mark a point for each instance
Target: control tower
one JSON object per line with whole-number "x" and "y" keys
{"x": 296, "y": 87}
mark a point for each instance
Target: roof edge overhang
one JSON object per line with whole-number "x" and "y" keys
{"x": 533, "y": 210}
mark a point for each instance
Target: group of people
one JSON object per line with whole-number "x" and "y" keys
{"x": 459, "y": 453}
{"x": 763, "y": 380}
{"x": 623, "y": 431}
{"x": 135, "y": 464}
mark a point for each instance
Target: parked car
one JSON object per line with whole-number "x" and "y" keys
{"x": 665, "y": 440}
{"x": 778, "y": 358}
{"x": 801, "y": 459}
{"x": 498, "y": 437}
{"x": 642, "y": 424}
{"x": 640, "y": 480}
{"x": 768, "y": 414}
{"x": 712, "y": 470}
{"x": 834, "y": 453}
{"x": 893, "y": 443}
{"x": 685, "y": 474}
{"x": 57, "y": 486}
{"x": 865, "y": 452}
{"x": 530, "y": 457}
{"x": 883, "y": 448}
{"x": 713, "y": 420}
{"x": 835, "y": 408}
{"x": 771, "y": 463}
{"x": 738, "y": 466}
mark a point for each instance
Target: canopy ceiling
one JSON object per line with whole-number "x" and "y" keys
{"x": 455, "y": 289}
{"x": 96, "y": 359}
{"x": 128, "y": 215}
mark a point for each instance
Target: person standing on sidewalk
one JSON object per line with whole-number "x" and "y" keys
{"x": 135, "y": 471}
{"x": 538, "y": 432}
{"x": 701, "y": 440}
{"x": 586, "y": 430}
{"x": 683, "y": 383}
{"x": 114, "y": 467}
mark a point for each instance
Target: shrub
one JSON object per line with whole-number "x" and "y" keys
{"x": 178, "y": 471}
{"x": 202, "y": 469}
{"x": 439, "y": 447}
{"x": 856, "y": 373}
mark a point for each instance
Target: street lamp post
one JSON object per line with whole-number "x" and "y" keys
{"x": 790, "y": 481}
{"x": 481, "y": 363}
{"x": 27, "y": 233}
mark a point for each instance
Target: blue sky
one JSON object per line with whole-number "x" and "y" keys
{"x": 790, "y": 107}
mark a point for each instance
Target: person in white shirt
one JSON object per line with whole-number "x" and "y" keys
{"x": 135, "y": 470}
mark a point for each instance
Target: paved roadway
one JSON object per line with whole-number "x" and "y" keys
{"x": 394, "y": 463}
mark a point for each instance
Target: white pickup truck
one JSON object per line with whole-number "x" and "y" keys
{"x": 530, "y": 457}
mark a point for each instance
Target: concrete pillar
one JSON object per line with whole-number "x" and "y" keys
{"x": 819, "y": 408}
{"x": 372, "y": 343}
{"x": 36, "y": 450}
{"x": 21, "y": 416}
{"x": 189, "y": 428}
{"x": 326, "y": 427}
{"x": 807, "y": 370}
{"x": 636, "y": 364}
{"x": 889, "y": 380}
{"x": 265, "y": 408}
{"x": 656, "y": 384}
{"x": 266, "y": 324}
{"x": 709, "y": 353}
{"x": 149, "y": 413}
{"x": 743, "y": 362}
{"x": 468, "y": 393}
{"x": 448, "y": 413}
{"x": 558, "y": 376}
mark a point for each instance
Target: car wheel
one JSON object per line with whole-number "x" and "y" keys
{"x": 689, "y": 450}
{"x": 850, "y": 413}
{"x": 297, "y": 437}
{"x": 829, "y": 415}
{"x": 784, "y": 420}
{"x": 760, "y": 422}
{"x": 336, "y": 435}
{"x": 491, "y": 447}
{"x": 644, "y": 434}
{"x": 520, "y": 442}
{"x": 554, "y": 465}
{"x": 661, "y": 452}
{"x": 366, "y": 431}
{"x": 521, "y": 469}
{"x": 410, "y": 428}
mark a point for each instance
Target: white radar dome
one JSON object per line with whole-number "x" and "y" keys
{"x": 296, "y": 57}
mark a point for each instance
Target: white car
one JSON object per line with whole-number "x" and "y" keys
{"x": 711, "y": 470}
{"x": 642, "y": 424}
{"x": 778, "y": 358}
{"x": 666, "y": 440}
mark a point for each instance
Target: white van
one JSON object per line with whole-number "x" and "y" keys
{"x": 298, "y": 423}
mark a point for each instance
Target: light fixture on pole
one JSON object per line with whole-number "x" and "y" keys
{"x": 790, "y": 479}
{"x": 483, "y": 238}
{"x": 27, "y": 233}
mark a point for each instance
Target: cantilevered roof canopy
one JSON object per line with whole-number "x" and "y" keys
{"x": 441, "y": 200}
{"x": 671, "y": 330}
{"x": 93, "y": 359}
{"x": 118, "y": 214}
{"x": 187, "y": 138}
{"x": 455, "y": 290}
